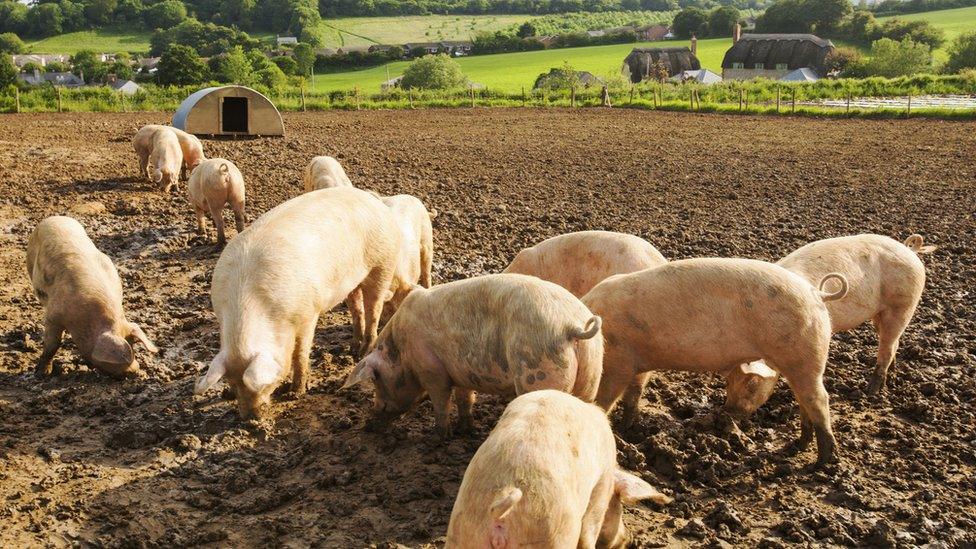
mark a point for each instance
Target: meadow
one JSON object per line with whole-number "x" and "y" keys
{"x": 364, "y": 31}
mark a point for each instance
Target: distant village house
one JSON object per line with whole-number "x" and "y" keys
{"x": 775, "y": 56}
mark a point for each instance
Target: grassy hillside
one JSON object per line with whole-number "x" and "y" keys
{"x": 952, "y": 22}
{"x": 355, "y": 31}
{"x": 511, "y": 71}
{"x": 104, "y": 40}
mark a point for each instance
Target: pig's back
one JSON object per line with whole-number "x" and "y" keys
{"x": 312, "y": 250}
{"x": 551, "y": 446}
{"x": 61, "y": 257}
{"x": 879, "y": 270}
{"x": 698, "y": 314}
{"x": 581, "y": 260}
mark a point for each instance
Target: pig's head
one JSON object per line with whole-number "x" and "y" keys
{"x": 627, "y": 490}
{"x": 396, "y": 387}
{"x": 194, "y": 160}
{"x": 253, "y": 387}
{"x": 749, "y": 386}
{"x": 112, "y": 351}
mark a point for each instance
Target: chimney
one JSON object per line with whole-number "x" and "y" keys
{"x": 694, "y": 44}
{"x": 736, "y": 32}
{"x": 111, "y": 78}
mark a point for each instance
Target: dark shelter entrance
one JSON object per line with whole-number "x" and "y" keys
{"x": 234, "y": 115}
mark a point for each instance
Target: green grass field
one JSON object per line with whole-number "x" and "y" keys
{"x": 952, "y": 22}
{"x": 511, "y": 71}
{"x": 357, "y": 31}
{"x": 102, "y": 41}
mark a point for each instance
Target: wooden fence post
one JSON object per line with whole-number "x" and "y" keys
{"x": 59, "y": 97}
{"x": 523, "y": 96}
{"x": 631, "y": 94}
{"x": 472, "y": 97}
{"x": 122, "y": 100}
{"x": 303, "y": 98}
{"x": 357, "y": 98}
{"x": 572, "y": 96}
{"x": 908, "y": 113}
{"x": 777, "y": 99}
{"x": 17, "y": 100}
{"x": 740, "y": 99}
{"x": 848, "y": 108}
{"x": 793, "y": 102}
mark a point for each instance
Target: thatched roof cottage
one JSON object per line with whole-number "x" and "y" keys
{"x": 775, "y": 55}
{"x": 643, "y": 62}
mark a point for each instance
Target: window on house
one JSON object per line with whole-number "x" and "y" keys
{"x": 738, "y": 65}
{"x": 759, "y": 66}
{"x": 782, "y": 66}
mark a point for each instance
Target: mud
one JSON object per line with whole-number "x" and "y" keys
{"x": 85, "y": 459}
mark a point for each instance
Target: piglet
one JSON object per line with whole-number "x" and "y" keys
{"x": 82, "y": 294}
{"x": 503, "y": 334}
{"x": 215, "y": 183}
{"x": 547, "y": 476}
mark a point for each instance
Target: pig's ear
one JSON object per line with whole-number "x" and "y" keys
{"x": 262, "y": 371}
{"x": 136, "y": 332}
{"x": 112, "y": 349}
{"x": 632, "y": 489}
{"x": 758, "y": 368}
{"x": 363, "y": 372}
{"x": 213, "y": 375}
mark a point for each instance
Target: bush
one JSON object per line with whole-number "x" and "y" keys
{"x": 181, "y": 65}
{"x": 962, "y": 53}
{"x": 8, "y": 71}
{"x": 271, "y": 76}
{"x": 231, "y": 67}
{"x": 890, "y": 58}
{"x": 918, "y": 31}
{"x": 166, "y": 14}
{"x": 287, "y": 65}
{"x": 839, "y": 60}
{"x": 11, "y": 43}
{"x": 433, "y": 72}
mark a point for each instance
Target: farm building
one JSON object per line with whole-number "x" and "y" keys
{"x": 774, "y": 56}
{"x": 644, "y": 62}
{"x": 701, "y": 76}
{"x": 560, "y": 78}
{"x": 228, "y": 110}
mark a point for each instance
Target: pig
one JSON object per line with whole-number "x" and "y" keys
{"x": 504, "y": 334}
{"x": 581, "y": 260}
{"x": 324, "y": 172}
{"x": 190, "y": 145}
{"x": 547, "y": 476}
{"x": 273, "y": 280}
{"x": 416, "y": 245}
{"x": 886, "y": 282}
{"x": 165, "y": 160}
{"x": 213, "y": 184}
{"x": 711, "y": 315}
{"x": 82, "y": 294}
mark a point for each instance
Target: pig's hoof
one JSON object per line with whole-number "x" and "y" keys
{"x": 42, "y": 371}
{"x": 875, "y": 384}
{"x": 465, "y": 427}
{"x": 228, "y": 393}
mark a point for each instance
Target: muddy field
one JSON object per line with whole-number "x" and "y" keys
{"x": 91, "y": 460}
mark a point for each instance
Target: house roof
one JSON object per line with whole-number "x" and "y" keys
{"x": 802, "y": 75}
{"x": 796, "y": 51}
{"x": 702, "y": 76}
{"x": 412, "y": 45}
{"x": 674, "y": 60}
{"x": 56, "y": 78}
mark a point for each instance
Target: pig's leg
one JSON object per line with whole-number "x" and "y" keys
{"x": 618, "y": 374}
{"x": 426, "y": 261}
{"x": 201, "y": 229}
{"x": 52, "y": 342}
{"x": 239, "y": 216}
{"x": 439, "y": 389}
{"x": 464, "y": 399}
{"x": 374, "y": 293}
{"x": 218, "y": 219}
{"x": 815, "y": 405}
{"x": 890, "y": 325}
{"x": 300, "y": 357}
{"x": 631, "y": 400}
{"x": 144, "y": 162}
{"x": 355, "y": 305}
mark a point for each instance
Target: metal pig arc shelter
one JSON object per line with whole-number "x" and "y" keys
{"x": 229, "y": 110}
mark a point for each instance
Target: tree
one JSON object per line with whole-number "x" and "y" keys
{"x": 182, "y": 66}
{"x": 165, "y": 14}
{"x": 784, "y": 16}
{"x": 13, "y": 17}
{"x": 31, "y": 67}
{"x": 826, "y": 15}
{"x": 890, "y": 58}
{"x": 8, "y": 71}
{"x": 691, "y": 20}
{"x": 526, "y": 30}
{"x": 721, "y": 20}
{"x": 87, "y": 64}
{"x": 304, "y": 56}
{"x": 962, "y": 52}
{"x": 45, "y": 20}
{"x": 839, "y": 60}
{"x": 434, "y": 72}
{"x": 99, "y": 12}
{"x": 11, "y": 43}
{"x": 72, "y": 16}
{"x": 271, "y": 76}
{"x": 918, "y": 31}
{"x": 233, "y": 67}
{"x": 286, "y": 64}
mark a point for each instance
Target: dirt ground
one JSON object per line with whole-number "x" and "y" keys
{"x": 90, "y": 460}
